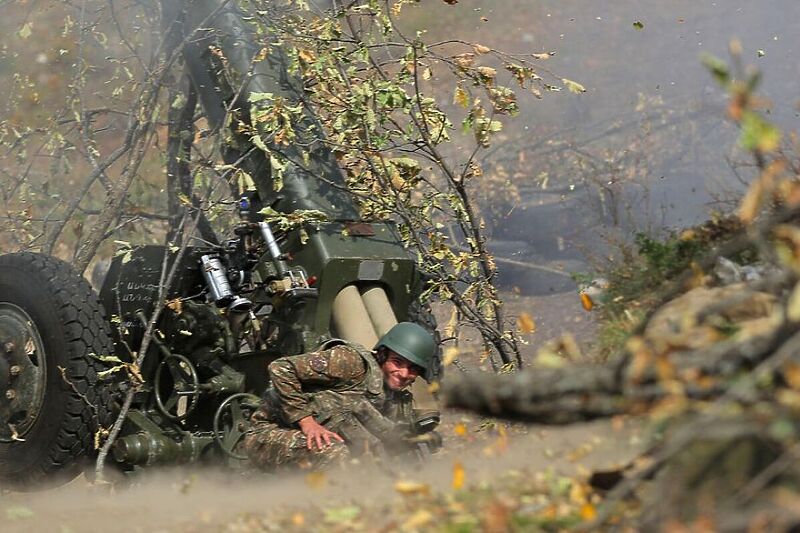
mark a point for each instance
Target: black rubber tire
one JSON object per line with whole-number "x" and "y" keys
{"x": 70, "y": 321}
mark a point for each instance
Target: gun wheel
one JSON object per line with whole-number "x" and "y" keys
{"x": 51, "y": 401}
{"x": 230, "y": 422}
{"x": 182, "y": 392}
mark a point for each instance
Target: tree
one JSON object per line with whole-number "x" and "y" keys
{"x": 124, "y": 108}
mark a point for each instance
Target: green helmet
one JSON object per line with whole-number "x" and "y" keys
{"x": 412, "y": 342}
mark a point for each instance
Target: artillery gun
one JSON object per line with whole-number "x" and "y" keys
{"x": 266, "y": 292}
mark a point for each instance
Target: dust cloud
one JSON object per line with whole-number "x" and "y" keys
{"x": 209, "y": 499}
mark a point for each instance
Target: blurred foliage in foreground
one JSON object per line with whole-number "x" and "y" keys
{"x": 638, "y": 279}
{"x": 713, "y": 362}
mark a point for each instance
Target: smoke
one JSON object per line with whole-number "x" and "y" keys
{"x": 655, "y": 147}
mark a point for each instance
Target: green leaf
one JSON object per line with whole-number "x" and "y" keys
{"x": 18, "y": 513}
{"x": 758, "y": 134}
{"x": 259, "y": 97}
{"x": 407, "y": 166}
{"x": 298, "y": 217}
{"x": 246, "y": 182}
{"x": 782, "y": 429}
{"x": 179, "y": 101}
{"x": 339, "y": 515}
{"x": 638, "y": 25}
{"x": 718, "y": 69}
{"x": 259, "y": 142}
{"x": 26, "y": 30}
{"x": 573, "y": 86}
{"x": 278, "y": 167}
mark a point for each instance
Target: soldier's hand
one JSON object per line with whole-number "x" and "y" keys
{"x": 317, "y": 434}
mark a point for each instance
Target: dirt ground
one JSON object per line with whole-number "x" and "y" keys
{"x": 210, "y": 500}
{"x": 193, "y": 499}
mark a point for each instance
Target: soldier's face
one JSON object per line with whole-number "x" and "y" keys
{"x": 399, "y": 373}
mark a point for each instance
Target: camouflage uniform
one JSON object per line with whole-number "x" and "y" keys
{"x": 342, "y": 388}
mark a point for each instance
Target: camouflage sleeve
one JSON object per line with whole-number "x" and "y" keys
{"x": 291, "y": 376}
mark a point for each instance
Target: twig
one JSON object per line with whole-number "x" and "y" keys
{"x": 776, "y": 468}
{"x": 164, "y": 283}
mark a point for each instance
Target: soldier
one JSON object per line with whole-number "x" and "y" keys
{"x": 324, "y": 406}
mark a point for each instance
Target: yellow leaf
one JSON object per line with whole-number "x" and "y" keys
{"x": 306, "y": 55}
{"x": 459, "y": 476}
{"x": 175, "y": 305}
{"x": 418, "y": 520}
{"x": 135, "y": 372}
{"x": 261, "y": 55}
{"x": 463, "y": 60}
{"x": 588, "y": 512}
{"x": 525, "y": 323}
{"x": 298, "y": 520}
{"x": 398, "y": 183}
{"x": 573, "y": 86}
{"x": 316, "y": 480}
{"x": 793, "y": 305}
{"x": 450, "y": 355}
{"x": 787, "y": 239}
{"x": 759, "y": 189}
{"x": 751, "y": 202}
{"x": 461, "y": 97}
{"x": 434, "y": 387}
{"x": 586, "y": 301}
{"x": 502, "y": 438}
{"x": 426, "y": 73}
{"x": 411, "y": 487}
{"x": 547, "y": 358}
{"x": 577, "y": 494}
{"x": 480, "y": 49}
{"x": 184, "y": 200}
{"x": 487, "y": 72}
{"x": 791, "y": 372}
{"x": 460, "y": 429}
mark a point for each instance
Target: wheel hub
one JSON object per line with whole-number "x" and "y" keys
{"x": 23, "y": 372}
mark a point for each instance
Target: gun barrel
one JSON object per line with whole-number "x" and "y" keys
{"x": 212, "y": 29}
